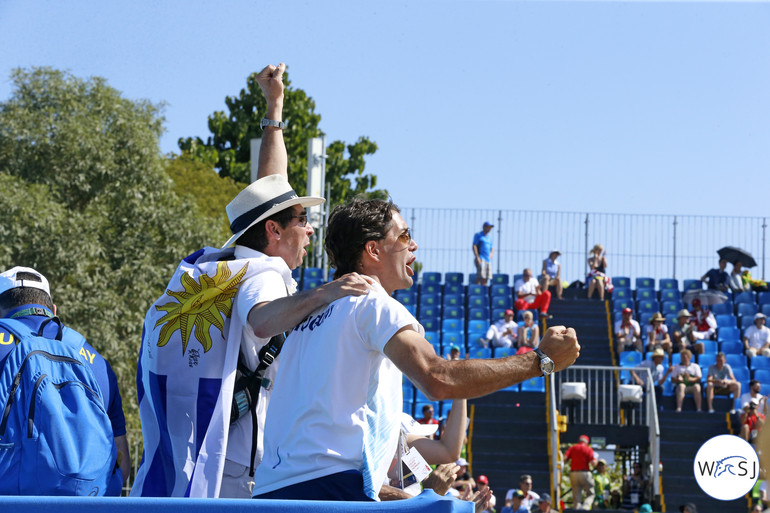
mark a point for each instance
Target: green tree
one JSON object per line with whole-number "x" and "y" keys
{"x": 88, "y": 202}
{"x": 228, "y": 148}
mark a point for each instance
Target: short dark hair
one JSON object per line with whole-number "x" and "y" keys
{"x": 525, "y": 477}
{"x": 351, "y": 226}
{"x": 753, "y": 382}
{"x": 256, "y": 236}
{"x": 19, "y": 296}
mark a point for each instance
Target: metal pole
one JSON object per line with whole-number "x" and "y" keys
{"x": 322, "y": 231}
{"x": 585, "y": 253}
{"x": 764, "y": 230}
{"x": 673, "y": 274}
{"x": 499, "y": 237}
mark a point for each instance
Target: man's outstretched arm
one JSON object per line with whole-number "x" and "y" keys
{"x": 272, "y": 153}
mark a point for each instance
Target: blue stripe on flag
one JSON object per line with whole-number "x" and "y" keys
{"x": 139, "y": 384}
{"x": 190, "y": 259}
{"x": 159, "y": 481}
{"x": 208, "y": 393}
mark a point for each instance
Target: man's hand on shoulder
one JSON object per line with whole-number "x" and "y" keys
{"x": 351, "y": 284}
{"x": 270, "y": 80}
{"x": 561, "y": 346}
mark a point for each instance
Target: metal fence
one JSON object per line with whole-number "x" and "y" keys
{"x": 654, "y": 246}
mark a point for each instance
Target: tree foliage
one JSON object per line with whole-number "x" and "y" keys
{"x": 88, "y": 202}
{"x": 228, "y": 148}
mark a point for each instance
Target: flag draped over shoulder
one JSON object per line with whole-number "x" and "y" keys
{"x": 186, "y": 373}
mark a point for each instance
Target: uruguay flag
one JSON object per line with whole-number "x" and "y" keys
{"x": 186, "y": 373}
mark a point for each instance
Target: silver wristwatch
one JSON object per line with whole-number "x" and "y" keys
{"x": 270, "y": 122}
{"x": 546, "y": 364}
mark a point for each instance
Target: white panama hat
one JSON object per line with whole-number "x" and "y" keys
{"x": 8, "y": 280}
{"x": 260, "y": 200}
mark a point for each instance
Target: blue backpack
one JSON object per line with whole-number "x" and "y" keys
{"x": 55, "y": 434}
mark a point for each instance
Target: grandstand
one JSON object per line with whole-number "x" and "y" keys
{"x": 518, "y": 430}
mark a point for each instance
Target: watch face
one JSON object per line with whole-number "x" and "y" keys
{"x": 546, "y": 366}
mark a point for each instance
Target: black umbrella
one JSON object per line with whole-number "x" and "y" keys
{"x": 733, "y": 254}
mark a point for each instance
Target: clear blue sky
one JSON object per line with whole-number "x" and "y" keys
{"x": 636, "y": 107}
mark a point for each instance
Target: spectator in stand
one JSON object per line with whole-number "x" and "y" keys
{"x": 525, "y": 485}
{"x": 754, "y": 392}
{"x": 635, "y": 486}
{"x": 482, "y": 484}
{"x": 602, "y": 484}
{"x": 550, "y": 276}
{"x": 502, "y": 333}
{"x": 717, "y": 278}
{"x": 427, "y": 415}
{"x": 581, "y": 458}
{"x": 628, "y": 333}
{"x": 544, "y": 505}
{"x": 515, "y": 506}
{"x": 597, "y": 278}
{"x": 705, "y": 328}
{"x": 756, "y": 338}
{"x": 751, "y": 421}
{"x": 686, "y": 378}
{"x": 686, "y": 325}
{"x": 736, "y": 282}
{"x": 657, "y": 334}
{"x": 720, "y": 380}
{"x": 482, "y": 252}
{"x": 688, "y": 508}
{"x": 658, "y": 373}
{"x": 463, "y": 481}
{"x": 529, "y": 296}
{"x": 529, "y": 334}
{"x": 454, "y": 353}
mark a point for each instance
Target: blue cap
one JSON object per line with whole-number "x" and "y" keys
{"x": 487, "y": 223}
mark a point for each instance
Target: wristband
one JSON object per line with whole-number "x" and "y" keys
{"x": 270, "y": 122}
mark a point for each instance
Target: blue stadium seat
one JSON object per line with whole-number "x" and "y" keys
{"x": 296, "y": 273}
{"x": 726, "y": 321}
{"x": 412, "y": 309}
{"x": 502, "y": 352}
{"x": 668, "y": 284}
{"x": 449, "y": 325}
{"x": 429, "y": 300}
{"x": 471, "y": 278}
{"x": 617, "y": 306}
{"x": 645, "y": 294}
{"x": 428, "y": 312}
{"x": 746, "y": 309}
{"x": 630, "y": 358}
{"x": 745, "y": 321}
{"x": 480, "y": 353}
{"x": 621, "y": 281}
{"x": 763, "y": 298}
{"x": 436, "y": 347}
{"x": 670, "y": 307}
{"x": 432, "y": 337}
{"x": 517, "y": 277}
{"x": 478, "y": 301}
{"x": 731, "y": 347}
{"x": 744, "y": 297}
{"x": 430, "y": 323}
{"x": 533, "y": 385}
{"x": 454, "y": 312}
{"x": 477, "y": 290}
{"x": 454, "y": 289}
{"x": 479, "y": 313}
{"x": 692, "y": 285}
{"x": 765, "y": 309}
{"x": 497, "y": 313}
{"x": 504, "y": 302}
{"x": 647, "y": 305}
{"x": 644, "y": 320}
{"x": 709, "y": 346}
{"x": 452, "y": 300}
{"x": 431, "y": 277}
{"x": 722, "y": 308}
{"x": 706, "y": 359}
{"x": 500, "y": 279}
{"x": 311, "y": 283}
{"x": 430, "y": 288}
{"x": 759, "y": 362}
{"x": 762, "y": 375}
{"x": 314, "y": 273}
{"x": 668, "y": 388}
{"x": 619, "y": 293}
{"x": 477, "y": 325}
{"x": 676, "y": 358}
{"x": 452, "y": 338}
{"x": 742, "y": 374}
{"x": 454, "y": 279}
{"x": 645, "y": 283}
{"x": 406, "y": 297}
{"x": 500, "y": 290}
{"x": 736, "y": 360}
{"x": 670, "y": 295}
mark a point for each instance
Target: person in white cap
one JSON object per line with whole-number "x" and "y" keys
{"x": 25, "y": 295}
{"x": 756, "y": 338}
{"x": 251, "y": 289}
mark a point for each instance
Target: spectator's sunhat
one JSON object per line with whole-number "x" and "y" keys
{"x": 627, "y": 310}
{"x": 461, "y": 462}
{"x": 8, "y": 280}
{"x": 645, "y": 508}
{"x": 260, "y": 200}
{"x": 696, "y": 302}
{"x": 658, "y": 352}
{"x": 482, "y": 479}
{"x": 602, "y": 461}
{"x": 454, "y": 348}
{"x": 683, "y": 313}
{"x": 412, "y": 427}
{"x": 519, "y": 494}
{"x": 657, "y": 317}
{"x": 487, "y": 223}
{"x": 544, "y": 497}
{"x": 509, "y": 312}
{"x": 759, "y": 315}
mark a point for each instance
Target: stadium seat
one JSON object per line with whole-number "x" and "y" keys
{"x": 668, "y": 388}
{"x": 500, "y": 289}
{"x": 296, "y": 273}
{"x": 452, "y": 325}
{"x": 706, "y": 359}
{"x": 670, "y": 295}
{"x": 746, "y": 309}
{"x": 619, "y": 305}
{"x": 645, "y": 294}
{"x": 314, "y": 273}
{"x": 504, "y": 302}
{"x": 745, "y": 321}
{"x": 452, "y": 338}
{"x": 480, "y": 353}
{"x": 477, "y": 325}
{"x": 517, "y": 277}
{"x": 497, "y": 313}
{"x": 502, "y": 352}
{"x": 731, "y": 347}
{"x": 311, "y": 283}
{"x": 533, "y": 385}
{"x": 668, "y": 284}
{"x": 722, "y": 308}
{"x": 692, "y": 285}
{"x": 759, "y": 362}
{"x": 762, "y": 375}
{"x": 676, "y": 358}
{"x": 430, "y": 288}
{"x": 428, "y": 312}
{"x": 647, "y": 305}
{"x": 644, "y": 319}
{"x": 763, "y": 298}
{"x": 478, "y": 290}
{"x": 454, "y": 289}
{"x": 430, "y": 323}
{"x": 621, "y": 281}
{"x": 736, "y": 360}
{"x": 406, "y": 297}
{"x": 619, "y": 293}
{"x": 726, "y": 321}
{"x": 745, "y": 297}
{"x": 765, "y": 309}
{"x": 645, "y": 283}
{"x": 429, "y": 299}
{"x": 500, "y": 279}
{"x": 670, "y": 307}
{"x": 431, "y": 278}
{"x": 454, "y": 312}
{"x": 479, "y": 314}
{"x": 432, "y": 337}
{"x": 454, "y": 279}
{"x": 452, "y": 300}
{"x": 630, "y": 358}
{"x": 478, "y": 301}
{"x": 742, "y": 374}
{"x": 709, "y": 346}
{"x": 471, "y": 278}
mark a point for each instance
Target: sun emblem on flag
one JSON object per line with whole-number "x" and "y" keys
{"x": 200, "y": 305}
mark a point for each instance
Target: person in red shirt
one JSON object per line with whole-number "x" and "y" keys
{"x": 427, "y": 415}
{"x": 581, "y": 458}
{"x": 751, "y": 421}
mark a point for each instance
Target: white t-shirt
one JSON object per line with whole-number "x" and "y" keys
{"x": 532, "y": 499}
{"x": 693, "y": 370}
{"x": 635, "y": 332}
{"x": 269, "y": 285}
{"x": 757, "y": 337}
{"x": 746, "y": 398}
{"x": 337, "y": 395}
{"x": 659, "y": 336}
{"x": 529, "y": 287}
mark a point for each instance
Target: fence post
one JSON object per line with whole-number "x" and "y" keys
{"x": 673, "y": 275}
{"x": 585, "y": 253}
{"x": 499, "y": 238}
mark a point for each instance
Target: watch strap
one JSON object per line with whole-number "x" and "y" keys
{"x": 271, "y": 122}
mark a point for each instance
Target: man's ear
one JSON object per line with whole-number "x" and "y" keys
{"x": 273, "y": 230}
{"x": 372, "y": 250}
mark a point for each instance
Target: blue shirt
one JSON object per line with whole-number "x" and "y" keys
{"x": 108, "y": 382}
{"x": 715, "y": 277}
{"x": 484, "y": 244}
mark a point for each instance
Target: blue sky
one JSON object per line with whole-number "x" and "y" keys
{"x": 631, "y": 107}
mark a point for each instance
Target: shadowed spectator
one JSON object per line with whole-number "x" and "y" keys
{"x": 597, "y": 278}
{"x": 550, "y": 276}
{"x": 717, "y": 278}
{"x": 720, "y": 380}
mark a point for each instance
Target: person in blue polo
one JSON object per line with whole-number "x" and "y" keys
{"x": 26, "y": 296}
{"x": 482, "y": 252}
